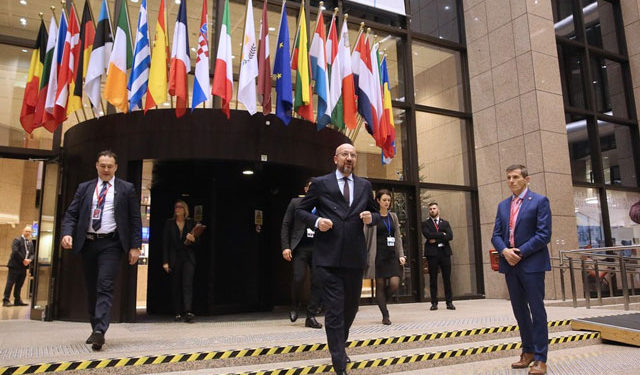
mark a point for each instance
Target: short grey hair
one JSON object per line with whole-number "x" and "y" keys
{"x": 522, "y": 168}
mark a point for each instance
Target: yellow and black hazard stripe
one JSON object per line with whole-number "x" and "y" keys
{"x": 414, "y": 358}
{"x": 255, "y": 352}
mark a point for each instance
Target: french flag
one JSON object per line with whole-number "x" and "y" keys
{"x": 180, "y": 62}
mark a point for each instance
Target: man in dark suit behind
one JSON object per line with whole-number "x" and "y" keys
{"x": 437, "y": 249}
{"x": 343, "y": 202}
{"x": 101, "y": 223}
{"x": 521, "y": 233}
{"x": 297, "y": 245}
{"x": 19, "y": 261}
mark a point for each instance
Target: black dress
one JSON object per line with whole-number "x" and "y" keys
{"x": 387, "y": 263}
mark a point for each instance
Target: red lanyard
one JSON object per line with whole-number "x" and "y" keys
{"x": 515, "y": 209}
{"x": 99, "y": 197}
{"x": 435, "y": 223}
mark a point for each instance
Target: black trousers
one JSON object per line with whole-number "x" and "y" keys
{"x": 444, "y": 263}
{"x": 341, "y": 288}
{"x": 15, "y": 280}
{"x": 301, "y": 263}
{"x": 182, "y": 285}
{"x": 101, "y": 259}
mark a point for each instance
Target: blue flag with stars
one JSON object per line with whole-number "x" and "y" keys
{"x": 282, "y": 71}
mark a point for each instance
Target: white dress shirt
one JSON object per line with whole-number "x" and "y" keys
{"x": 108, "y": 224}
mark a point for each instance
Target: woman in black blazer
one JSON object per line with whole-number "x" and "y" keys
{"x": 179, "y": 259}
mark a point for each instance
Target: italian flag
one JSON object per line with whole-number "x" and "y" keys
{"x": 223, "y": 75}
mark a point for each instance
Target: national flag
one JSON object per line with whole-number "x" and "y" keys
{"x": 39, "y": 117}
{"x": 366, "y": 96}
{"x": 303, "y": 101}
{"x": 348, "y": 89}
{"x": 223, "y": 75}
{"x": 282, "y": 71}
{"x": 201, "y": 87}
{"x": 139, "y": 78}
{"x": 68, "y": 66}
{"x": 100, "y": 56}
{"x": 50, "y": 123}
{"x": 355, "y": 58}
{"x": 32, "y": 88}
{"x": 115, "y": 88}
{"x": 158, "y": 74}
{"x": 180, "y": 61}
{"x": 264, "y": 64}
{"x": 87, "y": 35}
{"x": 380, "y": 132}
{"x": 388, "y": 149}
{"x": 317, "y": 53}
{"x": 248, "y": 64}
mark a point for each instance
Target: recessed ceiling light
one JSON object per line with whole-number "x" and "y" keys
{"x": 134, "y": 1}
{"x": 446, "y": 7}
{"x": 247, "y": 172}
{"x": 23, "y": 2}
{"x": 23, "y": 21}
{"x": 24, "y": 50}
{"x": 193, "y": 49}
{"x": 272, "y": 29}
{"x": 177, "y": 2}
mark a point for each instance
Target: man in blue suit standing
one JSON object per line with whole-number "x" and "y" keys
{"x": 521, "y": 233}
{"x": 101, "y": 223}
{"x": 343, "y": 202}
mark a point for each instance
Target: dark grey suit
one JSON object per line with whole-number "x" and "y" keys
{"x": 17, "y": 270}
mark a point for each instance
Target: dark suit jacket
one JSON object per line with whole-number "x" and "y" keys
{"x": 344, "y": 244}
{"x": 293, "y": 229}
{"x": 126, "y": 212}
{"x": 173, "y": 243}
{"x": 18, "y": 253}
{"x": 443, "y": 235}
{"x": 531, "y": 236}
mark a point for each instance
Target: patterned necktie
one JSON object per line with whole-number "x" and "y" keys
{"x": 345, "y": 191}
{"x": 102, "y": 197}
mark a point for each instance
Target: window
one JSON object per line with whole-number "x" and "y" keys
{"x": 437, "y": 77}
{"x": 618, "y": 166}
{"x": 438, "y": 18}
{"x": 588, "y": 217}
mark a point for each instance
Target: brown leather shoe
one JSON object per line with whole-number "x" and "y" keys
{"x": 538, "y": 368}
{"x": 524, "y": 362}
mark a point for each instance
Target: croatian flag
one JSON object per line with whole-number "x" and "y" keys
{"x": 201, "y": 87}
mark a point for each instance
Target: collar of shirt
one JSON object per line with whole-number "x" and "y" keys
{"x": 340, "y": 176}
{"x": 437, "y": 218}
{"x": 521, "y": 195}
{"x": 111, "y": 182}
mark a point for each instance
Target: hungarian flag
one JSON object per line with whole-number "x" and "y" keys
{"x": 264, "y": 64}
{"x": 223, "y": 75}
{"x": 282, "y": 71}
{"x": 100, "y": 56}
{"x": 158, "y": 73}
{"x": 49, "y": 121}
{"x": 389, "y": 146}
{"x": 248, "y": 64}
{"x": 317, "y": 54}
{"x": 87, "y": 35}
{"x": 303, "y": 101}
{"x": 180, "y": 61}
{"x": 31, "y": 90}
{"x": 201, "y": 80}
{"x": 67, "y": 70}
{"x": 115, "y": 88}
{"x": 39, "y": 117}
{"x": 348, "y": 97}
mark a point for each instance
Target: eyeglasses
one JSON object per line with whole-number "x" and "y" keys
{"x": 347, "y": 154}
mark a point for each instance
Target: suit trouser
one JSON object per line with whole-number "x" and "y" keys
{"x": 301, "y": 262}
{"x": 15, "y": 279}
{"x": 527, "y": 300}
{"x": 444, "y": 262}
{"x": 341, "y": 297}
{"x": 101, "y": 259}
{"x": 182, "y": 285}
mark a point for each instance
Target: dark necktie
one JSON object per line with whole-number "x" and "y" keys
{"x": 102, "y": 197}
{"x": 345, "y": 191}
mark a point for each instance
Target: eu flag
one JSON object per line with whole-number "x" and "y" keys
{"x": 282, "y": 71}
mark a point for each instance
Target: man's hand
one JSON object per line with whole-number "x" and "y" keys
{"x": 26, "y": 262}
{"x": 166, "y": 267}
{"x": 67, "y": 242}
{"x": 286, "y": 254}
{"x": 366, "y": 217}
{"x": 324, "y": 224}
{"x": 511, "y": 256}
{"x": 134, "y": 254}
{"x": 432, "y": 241}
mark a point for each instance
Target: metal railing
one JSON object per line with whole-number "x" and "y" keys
{"x": 601, "y": 263}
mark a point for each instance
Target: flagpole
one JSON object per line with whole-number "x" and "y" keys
{"x": 244, "y": 26}
{"x": 73, "y": 3}
{"x": 94, "y": 29}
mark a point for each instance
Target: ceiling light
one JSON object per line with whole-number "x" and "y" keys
{"x": 446, "y": 7}
{"x": 24, "y": 50}
{"x": 177, "y": 2}
{"x": 247, "y": 172}
{"x": 23, "y": 2}
{"x": 193, "y": 49}
{"x": 134, "y": 1}
{"x": 23, "y": 21}
{"x": 272, "y": 29}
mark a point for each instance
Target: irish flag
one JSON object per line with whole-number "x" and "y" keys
{"x": 223, "y": 75}
{"x": 115, "y": 89}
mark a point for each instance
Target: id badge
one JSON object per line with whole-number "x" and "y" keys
{"x": 96, "y": 213}
{"x": 391, "y": 241}
{"x": 310, "y": 233}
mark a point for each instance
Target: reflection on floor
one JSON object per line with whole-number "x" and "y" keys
{"x": 15, "y": 312}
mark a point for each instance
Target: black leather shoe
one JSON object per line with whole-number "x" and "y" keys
{"x": 450, "y": 306}
{"x": 19, "y": 303}
{"x": 311, "y": 322}
{"x": 90, "y": 339}
{"x": 6, "y": 304}
{"x": 347, "y": 359}
{"x": 98, "y": 340}
{"x": 434, "y": 306}
{"x": 188, "y": 317}
{"x": 293, "y": 315}
{"x": 386, "y": 321}
{"x": 343, "y": 372}
{"x": 177, "y": 318}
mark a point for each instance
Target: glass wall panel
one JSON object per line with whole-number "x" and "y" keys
{"x": 369, "y": 162}
{"x": 455, "y": 207}
{"x": 599, "y": 22}
{"x": 623, "y": 230}
{"x": 580, "y": 151}
{"x": 564, "y": 23}
{"x": 437, "y": 77}
{"x": 438, "y": 18}
{"x": 617, "y": 154}
{"x": 588, "y": 217}
{"x": 571, "y": 69}
{"x": 443, "y": 153}
{"x": 608, "y": 86}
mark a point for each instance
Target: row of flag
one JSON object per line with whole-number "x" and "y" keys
{"x": 72, "y": 58}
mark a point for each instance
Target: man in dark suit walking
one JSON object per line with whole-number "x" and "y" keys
{"x": 101, "y": 223}
{"x": 343, "y": 202}
{"x": 437, "y": 249}
{"x": 521, "y": 233}
{"x": 19, "y": 261}
{"x": 297, "y": 246}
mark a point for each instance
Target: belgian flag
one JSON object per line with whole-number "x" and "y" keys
{"x": 87, "y": 35}
{"x": 32, "y": 89}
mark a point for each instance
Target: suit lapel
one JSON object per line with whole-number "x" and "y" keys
{"x": 334, "y": 189}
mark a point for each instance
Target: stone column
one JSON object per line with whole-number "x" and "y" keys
{"x": 631, "y": 19}
{"x": 518, "y": 116}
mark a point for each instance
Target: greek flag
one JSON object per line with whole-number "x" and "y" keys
{"x": 139, "y": 78}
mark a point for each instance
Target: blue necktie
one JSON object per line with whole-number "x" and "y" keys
{"x": 102, "y": 197}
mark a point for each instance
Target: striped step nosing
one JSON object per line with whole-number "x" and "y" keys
{"x": 254, "y": 352}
